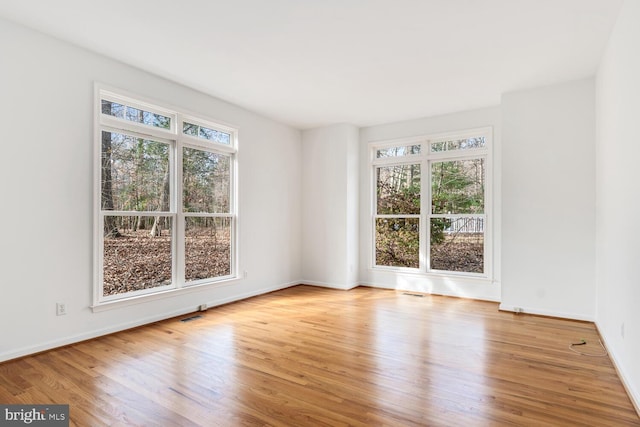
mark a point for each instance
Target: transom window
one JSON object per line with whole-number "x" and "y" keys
{"x": 166, "y": 209}
{"x": 430, "y": 197}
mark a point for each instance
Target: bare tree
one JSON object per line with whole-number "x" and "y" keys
{"x": 159, "y": 221}
{"x": 110, "y": 223}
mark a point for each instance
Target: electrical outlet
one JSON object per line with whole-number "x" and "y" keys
{"x": 203, "y": 307}
{"x": 245, "y": 274}
{"x": 518, "y": 310}
{"x": 61, "y": 309}
{"x": 622, "y": 330}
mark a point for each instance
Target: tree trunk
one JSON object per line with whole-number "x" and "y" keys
{"x": 110, "y": 224}
{"x": 166, "y": 188}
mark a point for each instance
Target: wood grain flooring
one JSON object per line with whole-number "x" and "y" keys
{"x": 308, "y": 356}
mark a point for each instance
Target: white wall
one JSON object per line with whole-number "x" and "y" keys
{"x": 46, "y": 170}
{"x": 330, "y": 206}
{"x": 488, "y": 289}
{"x": 618, "y": 201}
{"x": 548, "y": 200}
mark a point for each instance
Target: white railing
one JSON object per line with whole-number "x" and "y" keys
{"x": 465, "y": 225}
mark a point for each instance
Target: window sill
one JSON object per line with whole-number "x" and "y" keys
{"x": 436, "y": 273}
{"x": 171, "y": 293}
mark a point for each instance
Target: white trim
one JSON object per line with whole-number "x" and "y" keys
{"x": 138, "y": 213}
{"x": 106, "y": 301}
{"x": 545, "y": 312}
{"x": 166, "y": 293}
{"x": 398, "y": 142}
{"x": 176, "y": 140}
{"x": 634, "y": 395}
{"x": 195, "y": 120}
{"x": 426, "y": 159}
{"x": 129, "y": 100}
{"x": 162, "y": 105}
{"x": 389, "y": 268}
{"x": 29, "y": 350}
{"x": 97, "y": 255}
{"x": 126, "y": 101}
{"x": 341, "y": 286}
{"x": 135, "y": 131}
{"x": 393, "y": 216}
{"x": 206, "y": 145}
{"x": 208, "y": 215}
{"x": 176, "y": 198}
{"x": 457, "y": 216}
{"x": 130, "y": 126}
{"x": 460, "y": 287}
{"x": 453, "y": 155}
{"x": 433, "y": 137}
{"x": 414, "y": 159}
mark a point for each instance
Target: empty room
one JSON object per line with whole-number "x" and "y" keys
{"x": 320, "y": 213}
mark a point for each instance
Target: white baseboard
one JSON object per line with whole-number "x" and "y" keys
{"x": 25, "y": 351}
{"x": 240, "y": 297}
{"x": 634, "y": 395}
{"x": 342, "y": 286}
{"x": 61, "y": 342}
{"x": 543, "y": 312}
{"x": 436, "y": 290}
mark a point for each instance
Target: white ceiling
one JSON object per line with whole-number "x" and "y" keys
{"x": 310, "y": 63}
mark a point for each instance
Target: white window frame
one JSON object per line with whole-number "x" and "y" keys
{"x": 425, "y": 159}
{"x": 176, "y": 140}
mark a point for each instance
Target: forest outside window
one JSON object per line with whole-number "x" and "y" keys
{"x": 430, "y": 199}
{"x": 165, "y": 200}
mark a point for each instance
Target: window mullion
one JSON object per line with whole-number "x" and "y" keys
{"x": 180, "y": 223}
{"x": 134, "y": 127}
{"x": 392, "y": 161}
{"x": 425, "y": 213}
{"x": 137, "y": 133}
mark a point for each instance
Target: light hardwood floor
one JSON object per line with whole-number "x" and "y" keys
{"x": 307, "y": 356}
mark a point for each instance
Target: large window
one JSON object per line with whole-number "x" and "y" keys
{"x": 430, "y": 199}
{"x": 165, "y": 200}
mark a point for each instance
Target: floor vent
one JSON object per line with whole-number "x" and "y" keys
{"x": 413, "y": 295}
{"x": 189, "y": 319}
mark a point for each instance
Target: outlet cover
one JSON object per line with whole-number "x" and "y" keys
{"x": 61, "y": 309}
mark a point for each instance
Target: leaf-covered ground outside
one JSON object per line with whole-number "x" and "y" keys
{"x": 458, "y": 255}
{"x": 457, "y": 252}
{"x": 136, "y": 260}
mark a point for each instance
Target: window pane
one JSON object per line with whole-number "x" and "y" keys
{"x": 398, "y": 242}
{"x": 136, "y": 254}
{"x": 113, "y": 109}
{"x": 457, "y": 244}
{"x": 438, "y": 146}
{"x": 206, "y": 181}
{"x": 214, "y": 135}
{"x": 457, "y": 187}
{"x": 135, "y": 115}
{"x": 398, "y": 189}
{"x": 207, "y": 248}
{"x": 398, "y": 151}
{"x": 206, "y": 133}
{"x": 135, "y": 173}
{"x": 190, "y": 129}
{"x": 458, "y": 144}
